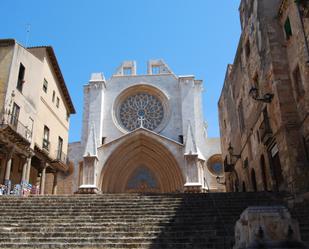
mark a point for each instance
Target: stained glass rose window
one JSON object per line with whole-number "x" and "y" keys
{"x": 141, "y": 109}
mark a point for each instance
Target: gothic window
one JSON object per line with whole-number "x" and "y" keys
{"x": 141, "y": 109}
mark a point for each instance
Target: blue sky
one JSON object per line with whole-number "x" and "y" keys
{"x": 192, "y": 36}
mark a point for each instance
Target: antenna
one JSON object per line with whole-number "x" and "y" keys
{"x": 28, "y": 29}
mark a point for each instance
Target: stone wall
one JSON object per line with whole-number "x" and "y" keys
{"x": 268, "y": 137}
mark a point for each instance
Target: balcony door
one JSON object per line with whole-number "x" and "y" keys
{"x": 59, "y": 151}
{"x": 15, "y": 115}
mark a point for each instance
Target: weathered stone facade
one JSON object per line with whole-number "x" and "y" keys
{"x": 263, "y": 107}
{"x": 35, "y": 108}
{"x": 145, "y": 133}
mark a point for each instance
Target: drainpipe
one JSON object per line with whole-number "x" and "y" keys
{"x": 303, "y": 30}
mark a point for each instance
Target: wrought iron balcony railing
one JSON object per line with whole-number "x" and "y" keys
{"x": 60, "y": 156}
{"x": 13, "y": 122}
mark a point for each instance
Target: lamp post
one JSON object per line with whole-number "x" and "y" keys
{"x": 231, "y": 152}
{"x": 254, "y": 93}
{"x": 218, "y": 179}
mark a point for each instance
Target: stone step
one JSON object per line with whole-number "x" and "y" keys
{"x": 178, "y": 221}
{"x": 94, "y": 245}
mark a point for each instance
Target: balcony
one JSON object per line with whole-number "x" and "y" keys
{"x": 61, "y": 162}
{"x": 61, "y": 156}
{"x": 14, "y": 130}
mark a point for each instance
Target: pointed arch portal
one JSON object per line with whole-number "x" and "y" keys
{"x": 141, "y": 164}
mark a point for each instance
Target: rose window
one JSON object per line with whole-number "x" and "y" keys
{"x": 141, "y": 110}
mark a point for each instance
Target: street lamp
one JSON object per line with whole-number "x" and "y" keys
{"x": 231, "y": 152}
{"x": 254, "y": 93}
{"x": 218, "y": 179}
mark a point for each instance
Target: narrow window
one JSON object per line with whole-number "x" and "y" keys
{"x": 241, "y": 116}
{"x": 127, "y": 71}
{"x": 15, "y": 115}
{"x": 59, "y": 151}
{"x": 54, "y": 95}
{"x": 155, "y": 69}
{"x": 45, "y": 85}
{"x": 256, "y": 83}
{"x": 57, "y": 102}
{"x": 287, "y": 28}
{"x": 246, "y": 163}
{"x": 258, "y": 136}
{"x": 21, "y": 76}
{"x": 103, "y": 140}
{"x": 46, "y": 138}
{"x": 247, "y": 48}
{"x": 180, "y": 139}
{"x": 298, "y": 83}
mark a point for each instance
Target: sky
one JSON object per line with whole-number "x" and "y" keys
{"x": 196, "y": 37}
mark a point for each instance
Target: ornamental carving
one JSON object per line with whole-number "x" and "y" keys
{"x": 141, "y": 110}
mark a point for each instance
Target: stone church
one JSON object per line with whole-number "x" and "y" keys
{"x": 145, "y": 133}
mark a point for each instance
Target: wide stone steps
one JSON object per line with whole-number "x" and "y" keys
{"x": 177, "y": 221}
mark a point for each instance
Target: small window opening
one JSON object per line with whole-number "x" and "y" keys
{"x": 155, "y": 69}
{"x": 127, "y": 71}
{"x": 103, "y": 140}
{"x": 57, "y": 102}
{"x": 180, "y": 139}
{"x": 54, "y": 95}
{"x": 21, "y": 76}
{"x": 45, "y": 85}
{"x": 288, "y": 28}
{"x": 247, "y": 48}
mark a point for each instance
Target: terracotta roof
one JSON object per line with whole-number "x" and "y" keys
{"x": 53, "y": 59}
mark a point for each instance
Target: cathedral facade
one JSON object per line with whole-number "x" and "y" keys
{"x": 145, "y": 133}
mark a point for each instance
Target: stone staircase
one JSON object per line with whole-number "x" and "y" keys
{"x": 149, "y": 221}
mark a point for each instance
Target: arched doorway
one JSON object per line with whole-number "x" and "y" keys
{"x": 141, "y": 164}
{"x": 253, "y": 180}
{"x": 263, "y": 172}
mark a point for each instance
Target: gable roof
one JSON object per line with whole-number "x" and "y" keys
{"x": 57, "y": 70}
